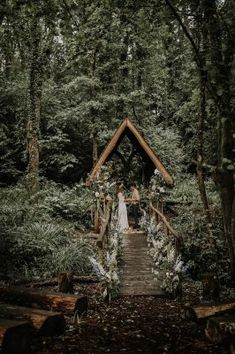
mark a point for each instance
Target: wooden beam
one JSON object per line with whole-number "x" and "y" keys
{"x": 150, "y": 153}
{"x": 172, "y": 231}
{"x": 108, "y": 149}
{"x": 127, "y": 124}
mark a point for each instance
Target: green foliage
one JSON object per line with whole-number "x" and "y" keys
{"x": 191, "y": 224}
{"x": 94, "y": 74}
{"x": 94, "y": 63}
{"x": 166, "y": 142}
{"x": 42, "y": 236}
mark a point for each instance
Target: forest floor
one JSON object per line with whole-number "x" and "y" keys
{"x": 130, "y": 325}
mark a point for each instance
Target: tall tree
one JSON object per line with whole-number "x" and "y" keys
{"x": 216, "y": 73}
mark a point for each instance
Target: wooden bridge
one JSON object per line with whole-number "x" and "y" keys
{"x": 136, "y": 274}
{"x": 135, "y": 265}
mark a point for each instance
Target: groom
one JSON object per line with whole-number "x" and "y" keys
{"x": 135, "y": 203}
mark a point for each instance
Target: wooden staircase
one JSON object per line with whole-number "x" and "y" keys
{"x": 136, "y": 273}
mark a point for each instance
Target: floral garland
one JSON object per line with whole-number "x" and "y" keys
{"x": 108, "y": 272}
{"x": 168, "y": 266}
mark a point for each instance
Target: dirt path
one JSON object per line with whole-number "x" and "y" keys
{"x": 131, "y": 325}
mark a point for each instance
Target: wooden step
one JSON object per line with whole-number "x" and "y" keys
{"x": 142, "y": 292}
{"x": 136, "y": 275}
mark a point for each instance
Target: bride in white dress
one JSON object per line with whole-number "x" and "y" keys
{"x": 122, "y": 210}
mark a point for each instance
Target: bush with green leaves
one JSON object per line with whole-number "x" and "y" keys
{"x": 41, "y": 235}
{"x": 43, "y": 249}
{"x": 191, "y": 224}
{"x": 166, "y": 142}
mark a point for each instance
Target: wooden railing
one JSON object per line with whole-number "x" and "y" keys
{"x": 167, "y": 228}
{"x": 101, "y": 216}
{"x": 103, "y": 222}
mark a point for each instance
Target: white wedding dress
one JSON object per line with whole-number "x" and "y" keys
{"x": 122, "y": 214}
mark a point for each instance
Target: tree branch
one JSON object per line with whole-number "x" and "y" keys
{"x": 198, "y": 58}
{"x": 70, "y": 14}
{"x": 185, "y": 29}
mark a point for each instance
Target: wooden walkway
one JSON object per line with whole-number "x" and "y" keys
{"x": 136, "y": 274}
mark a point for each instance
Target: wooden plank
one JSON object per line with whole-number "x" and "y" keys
{"x": 15, "y": 336}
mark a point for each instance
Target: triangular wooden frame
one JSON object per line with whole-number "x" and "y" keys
{"x": 112, "y": 144}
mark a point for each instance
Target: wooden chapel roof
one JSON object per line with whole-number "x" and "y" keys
{"x": 127, "y": 124}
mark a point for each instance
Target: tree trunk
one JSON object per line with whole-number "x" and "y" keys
{"x": 200, "y": 157}
{"x": 95, "y": 147}
{"x": 35, "y": 93}
{"x": 221, "y": 60}
{"x": 220, "y": 52}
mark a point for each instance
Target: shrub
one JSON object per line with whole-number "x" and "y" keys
{"x": 41, "y": 236}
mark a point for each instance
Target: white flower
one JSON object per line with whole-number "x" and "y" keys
{"x": 156, "y": 172}
{"x": 97, "y": 194}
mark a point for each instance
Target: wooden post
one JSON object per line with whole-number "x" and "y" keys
{"x": 96, "y": 220}
{"x": 92, "y": 216}
{"x": 165, "y": 229}
{"x": 162, "y": 211}
{"x": 211, "y": 287}
{"x": 65, "y": 283}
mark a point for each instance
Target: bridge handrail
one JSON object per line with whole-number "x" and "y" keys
{"x": 169, "y": 228}
{"x": 164, "y": 220}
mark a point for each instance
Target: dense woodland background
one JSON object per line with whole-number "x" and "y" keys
{"x": 70, "y": 71}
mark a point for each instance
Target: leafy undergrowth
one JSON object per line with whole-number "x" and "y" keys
{"x": 130, "y": 325}
{"x": 44, "y": 235}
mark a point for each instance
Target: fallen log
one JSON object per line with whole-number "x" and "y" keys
{"x": 46, "y": 300}
{"x": 47, "y": 323}
{"x": 199, "y": 312}
{"x": 220, "y": 328}
{"x": 15, "y": 336}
